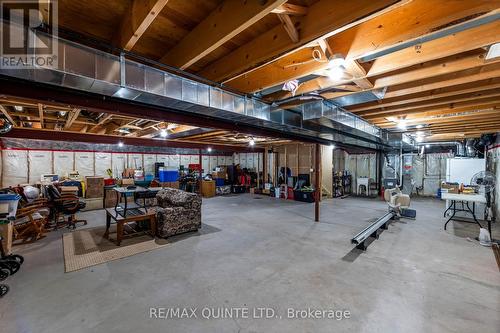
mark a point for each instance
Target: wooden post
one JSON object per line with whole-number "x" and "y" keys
{"x": 317, "y": 183}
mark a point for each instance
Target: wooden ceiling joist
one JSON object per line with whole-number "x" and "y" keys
{"x": 136, "y": 21}
{"x": 40, "y": 114}
{"x": 322, "y": 18}
{"x": 72, "y": 116}
{"x": 7, "y": 115}
{"x": 290, "y": 9}
{"x": 228, "y": 20}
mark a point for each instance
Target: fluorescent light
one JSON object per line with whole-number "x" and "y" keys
{"x": 18, "y": 108}
{"x": 252, "y": 142}
{"x": 493, "y": 51}
{"x": 120, "y": 144}
{"x": 163, "y": 133}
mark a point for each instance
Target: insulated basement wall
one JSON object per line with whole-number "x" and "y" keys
{"x": 15, "y": 167}
{"x": 493, "y": 165}
{"x": 40, "y": 163}
{"x": 63, "y": 162}
{"x": 84, "y": 163}
{"x": 102, "y": 163}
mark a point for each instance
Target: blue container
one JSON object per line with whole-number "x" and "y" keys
{"x": 219, "y": 181}
{"x": 149, "y": 177}
{"x": 168, "y": 175}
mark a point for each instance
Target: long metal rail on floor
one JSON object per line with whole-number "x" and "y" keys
{"x": 372, "y": 230}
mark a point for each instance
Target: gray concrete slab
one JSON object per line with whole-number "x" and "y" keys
{"x": 269, "y": 253}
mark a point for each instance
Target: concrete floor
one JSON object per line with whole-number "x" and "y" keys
{"x": 269, "y": 253}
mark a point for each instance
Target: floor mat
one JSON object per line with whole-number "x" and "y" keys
{"x": 86, "y": 247}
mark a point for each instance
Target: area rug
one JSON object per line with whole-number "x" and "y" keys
{"x": 86, "y": 247}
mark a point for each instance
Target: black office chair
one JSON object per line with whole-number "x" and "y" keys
{"x": 65, "y": 204}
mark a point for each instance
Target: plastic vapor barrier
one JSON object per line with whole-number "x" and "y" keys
{"x": 174, "y": 161}
{"x": 15, "y": 167}
{"x": 84, "y": 163}
{"x": 40, "y": 163}
{"x": 149, "y": 163}
{"x": 134, "y": 161}
{"x": 102, "y": 163}
{"x": 118, "y": 162}
{"x": 162, "y": 159}
{"x": 64, "y": 162}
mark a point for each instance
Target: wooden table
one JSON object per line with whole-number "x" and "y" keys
{"x": 132, "y": 215}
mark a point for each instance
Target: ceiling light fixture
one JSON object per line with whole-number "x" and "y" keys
{"x": 163, "y": 133}
{"x": 493, "y": 51}
{"x": 335, "y": 73}
{"x": 401, "y": 124}
{"x": 332, "y": 146}
{"x": 337, "y": 60}
{"x": 419, "y": 126}
{"x": 251, "y": 142}
{"x": 209, "y": 149}
{"x": 120, "y": 144}
{"x": 18, "y": 108}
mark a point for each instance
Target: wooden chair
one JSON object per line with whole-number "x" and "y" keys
{"x": 67, "y": 204}
{"x": 29, "y": 225}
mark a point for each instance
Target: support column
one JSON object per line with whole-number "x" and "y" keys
{"x": 317, "y": 182}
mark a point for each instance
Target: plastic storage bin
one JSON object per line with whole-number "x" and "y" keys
{"x": 166, "y": 175}
{"x": 12, "y": 200}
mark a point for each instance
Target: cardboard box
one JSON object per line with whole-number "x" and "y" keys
{"x": 208, "y": 188}
{"x": 94, "y": 187}
{"x": 170, "y": 184}
{"x": 127, "y": 181}
{"x": 93, "y": 204}
{"x": 69, "y": 189}
{"x": 110, "y": 198}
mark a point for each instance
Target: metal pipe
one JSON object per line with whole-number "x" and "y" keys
{"x": 371, "y": 229}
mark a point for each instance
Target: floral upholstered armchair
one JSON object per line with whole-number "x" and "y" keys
{"x": 178, "y": 212}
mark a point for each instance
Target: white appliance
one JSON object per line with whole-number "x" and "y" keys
{"x": 461, "y": 171}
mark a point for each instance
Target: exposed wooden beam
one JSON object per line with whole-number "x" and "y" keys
{"x": 358, "y": 73}
{"x": 289, "y": 27}
{"x": 421, "y": 98}
{"x": 455, "y": 65}
{"x": 427, "y": 112}
{"x": 139, "y": 16}
{"x": 40, "y": 114}
{"x": 7, "y": 115}
{"x": 396, "y": 17}
{"x": 471, "y": 39}
{"x": 410, "y": 22}
{"x": 225, "y": 22}
{"x": 323, "y": 18}
{"x": 101, "y": 122}
{"x": 470, "y": 98}
{"x": 290, "y": 9}
{"x": 72, "y": 116}
{"x": 492, "y": 114}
